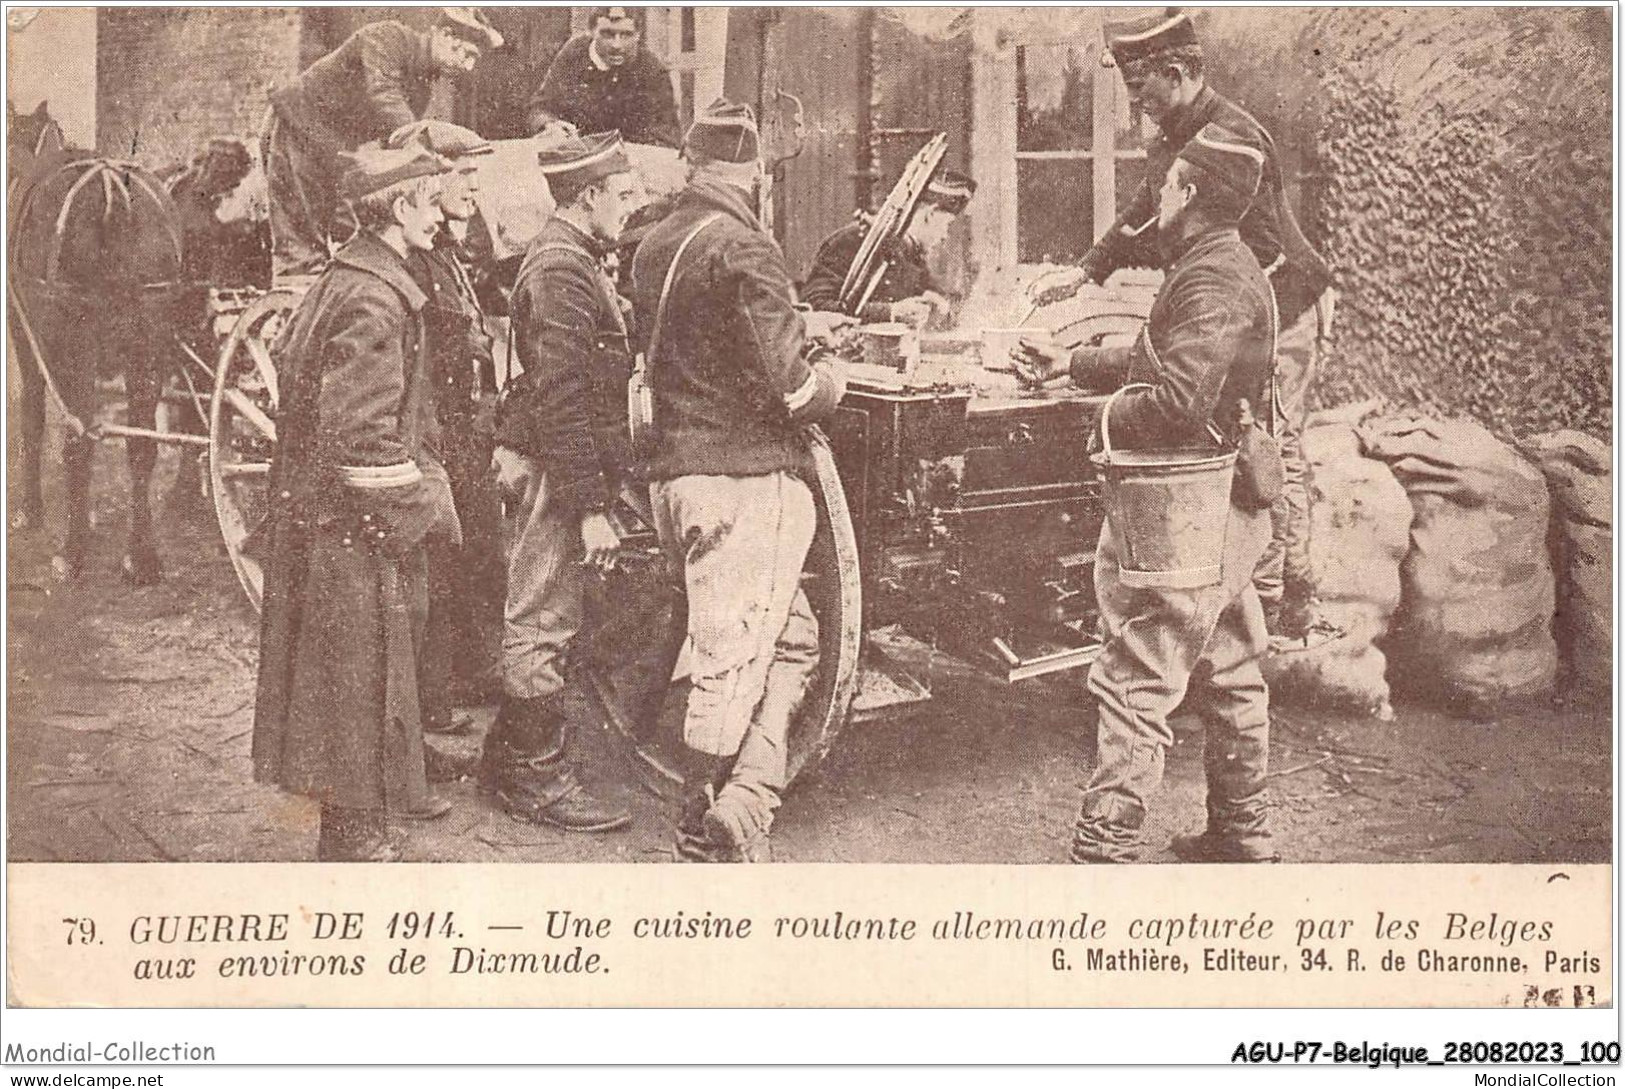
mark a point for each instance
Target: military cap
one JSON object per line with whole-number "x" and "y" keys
{"x": 1238, "y": 167}
{"x": 442, "y": 138}
{"x": 612, "y": 14}
{"x": 578, "y": 161}
{"x": 949, "y": 190}
{"x": 370, "y": 169}
{"x": 1140, "y": 41}
{"x": 471, "y": 25}
{"x": 726, "y": 132}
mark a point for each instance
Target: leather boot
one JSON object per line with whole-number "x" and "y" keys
{"x": 1214, "y": 846}
{"x": 523, "y": 765}
{"x": 738, "y": 826}
{"x": 704, "y": 776}
{"x": 355, "y": 835}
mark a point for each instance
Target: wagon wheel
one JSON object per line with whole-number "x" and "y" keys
{"x": 242, "y": 431}
{"x": 630, "y": 663}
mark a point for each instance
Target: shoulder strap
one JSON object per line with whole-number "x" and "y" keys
{"x": 671, "y": 276}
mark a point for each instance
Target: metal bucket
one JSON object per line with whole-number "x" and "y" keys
{"x": 1169, "y": 508}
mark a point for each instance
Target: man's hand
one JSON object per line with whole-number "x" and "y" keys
{"x": 919, "y": 310}
{"x": 823, "y": 325}
{"x": 1066, "y": 285}
{"x": 556, "y": 130}
{"x": 511, "y": 472}
{"x": 1039, "y": 358}
{"x": 600, "y": 543}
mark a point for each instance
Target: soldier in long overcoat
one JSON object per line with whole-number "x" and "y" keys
{"x": 355, "y": 493}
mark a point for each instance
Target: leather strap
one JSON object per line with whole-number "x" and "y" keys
{"x": 671, "y": 276}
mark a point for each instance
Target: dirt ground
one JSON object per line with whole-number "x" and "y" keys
{"x": 130, "y": 711}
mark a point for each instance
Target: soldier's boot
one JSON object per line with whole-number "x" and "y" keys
{"x": 1212, "y": 845}
{"x": 355, "y": 835}
{"x": 703, "y": 776}
{"x": 736, "y": 821}
{"x": 523, "y": 765}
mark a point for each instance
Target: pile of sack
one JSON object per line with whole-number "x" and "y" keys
{"x": 1578, "y": 470}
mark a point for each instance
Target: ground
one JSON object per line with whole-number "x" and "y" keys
{"x": 130, "y": 711}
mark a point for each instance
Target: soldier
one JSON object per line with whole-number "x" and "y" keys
{"x": 1162, "y": 67}
{"x": 465, "y": 584}
{"x": 604, "y": 81}
{"x": 732, "y": 392}
{"x": 355, "y": 495}
{"x": 1206, "y": 354}
{"x": 908, "y": 292}
{"x": 378, "y": 80}
{"x": 560, "y": 458}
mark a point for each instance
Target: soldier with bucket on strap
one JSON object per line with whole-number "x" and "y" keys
{"x": 1204, "y": 359}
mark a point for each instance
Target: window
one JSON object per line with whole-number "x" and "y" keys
{"x": 1079, "y": 148}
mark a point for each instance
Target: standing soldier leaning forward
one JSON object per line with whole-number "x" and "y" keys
{"x": 1162, "y": 66}
{"x": 731, "y": 393}
{"x": 560, "y": 457}
{"x": 1206, "y": 355}
{"x": 355, "y": 494}
{"x": 379, "y": 79}
{"x": 465, "y": 584}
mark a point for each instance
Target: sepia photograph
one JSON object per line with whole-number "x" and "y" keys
{"x": 1056, "y": 436}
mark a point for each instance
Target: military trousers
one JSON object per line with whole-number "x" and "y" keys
{"x": 1285, "y": 579}
{"x": 546, "y": 586}
{"x": 740, "y": 543}
{"x": 1162, "y": 644}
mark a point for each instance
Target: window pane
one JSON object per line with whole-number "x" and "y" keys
{"x": 1130, "y": 172}
{"x": 1054, "y": 97}
{"x": 1055, "y": 209}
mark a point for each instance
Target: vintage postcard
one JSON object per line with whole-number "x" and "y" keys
{"x": 795, "y": 506}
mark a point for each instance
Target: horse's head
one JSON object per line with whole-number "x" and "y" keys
{"x": 30, "y": 136}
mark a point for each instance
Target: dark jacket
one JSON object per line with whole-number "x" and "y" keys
{"x": 1207, "y": 345}
{"x": 353, "y": 494}
{"x": 568, "y": 409}
{"x": 907, "y": 274}
{"x": 635, "y": 97}
{"x": 730, "y": 385}
{"x": 460, "y": 363}
{"x": 377, "y": 81}
{"x": 1270, "y": 229}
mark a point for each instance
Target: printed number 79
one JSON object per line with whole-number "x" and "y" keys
{"x": 81, "y": 931}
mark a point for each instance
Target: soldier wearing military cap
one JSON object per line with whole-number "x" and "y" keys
{"x": 732, "y": 391}
{"x": 604, "y": 81}
{"x": 379, "y": 79}
{"x": 561, "y": 457}
{"x": 356, "y": 492}
{"x": 1162, "y": 65}
{"x": 1205, "y": 357}
{"x": 908, "y": 292}
{"x": 458, "y": 665}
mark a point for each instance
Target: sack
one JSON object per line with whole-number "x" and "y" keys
{"x": 1578, "y": 471}
{"x": 1260, "y": 472}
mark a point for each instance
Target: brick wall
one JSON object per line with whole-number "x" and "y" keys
{"x": 167, "y": 79}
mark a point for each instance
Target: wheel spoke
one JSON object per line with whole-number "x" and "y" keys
{"x": 246, "y": 468}
{"x": 251, "y": 412}
{"x": 262, "y": 362}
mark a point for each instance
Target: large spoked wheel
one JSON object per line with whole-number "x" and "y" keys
{"x": 636, "y": 664}
{"x": 242, "y": 432}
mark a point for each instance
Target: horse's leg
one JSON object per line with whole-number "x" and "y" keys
{"x": 30, "y": 512}
{"x": 142, "y": 379}
{"x": 76, "y": 459}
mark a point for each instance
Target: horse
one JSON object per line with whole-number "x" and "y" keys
{"x": 100, "y": 283}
